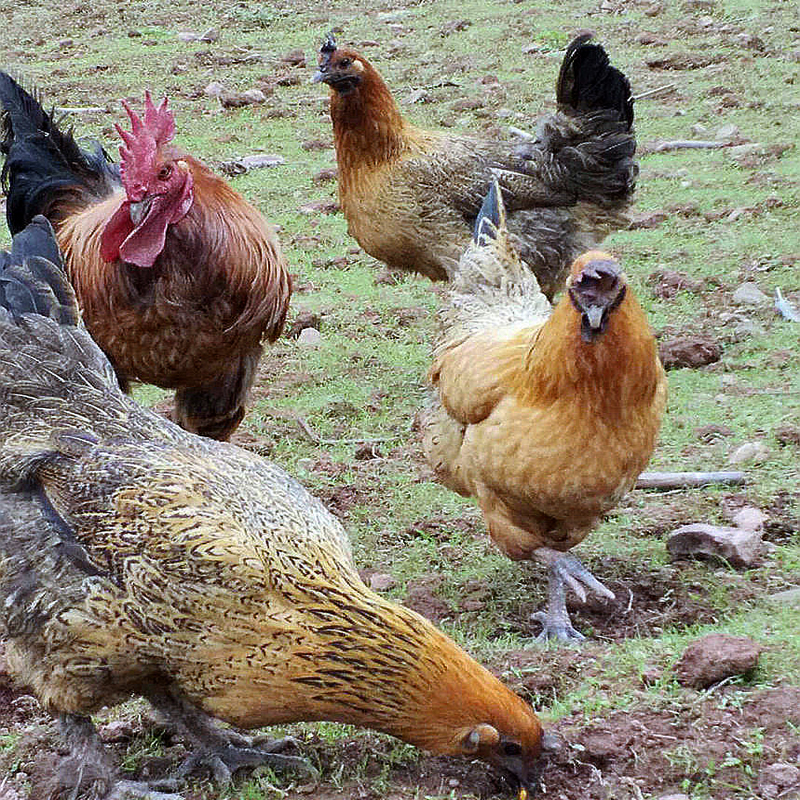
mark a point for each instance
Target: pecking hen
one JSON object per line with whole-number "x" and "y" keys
{"x": 179, "y": 278}
{"x": 545, "y": 416}
{"x": 411, "y": 196}
{"x": 138, "y": 558}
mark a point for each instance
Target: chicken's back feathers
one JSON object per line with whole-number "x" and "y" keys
{"x": 46, "y": 171}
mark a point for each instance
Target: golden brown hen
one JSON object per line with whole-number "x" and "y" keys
{"x": 179, "y": 278}
{"x": 546, "y": 418}
{"x": 411, "y": 196}
{"x": 137, "y": 558}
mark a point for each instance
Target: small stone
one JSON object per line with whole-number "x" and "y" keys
{"x": 700, "y": 130}
{"x": 309, "y": 337}
{"x": 210, "y": 35}
{"x": 418, "y": 96}
{"x": 304, "y": 319}
{"x": 382, "y": 581}
{"x": 750, "y": 519}
{"x": 214, "y": 89}
{"x": 674, "y": 797}
{"x": 188, "y": 36}
{"x": 748, "y": 294}
{"x": 789, "y": 597}
{"x": 119, "y": 730}
{"x": 66, "y": 43}
{"x": 296, "y": 58}
{"x": 727, "y": 133}
{"x": 738, "y": 547}
{"x": 713, "y": 658}
{"x": 757, "y": 452}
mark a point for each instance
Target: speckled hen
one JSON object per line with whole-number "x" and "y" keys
{"x": 138, "y": 558}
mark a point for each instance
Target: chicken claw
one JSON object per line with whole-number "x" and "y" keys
{"x": 565, "y": 570}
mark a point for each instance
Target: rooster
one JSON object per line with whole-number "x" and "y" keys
{"x": 411, "y": 196}
{"x": 545, "y": 416}
{"x": 178, "y": 277}
{"x": 138, "y": 558}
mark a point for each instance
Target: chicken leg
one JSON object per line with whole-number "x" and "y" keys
{"x": 564, "y": 570}
{"x": 222, "y": 750}
{"x": 88, "y": 771}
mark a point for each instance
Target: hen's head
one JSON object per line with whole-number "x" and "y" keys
{"x": 158, "y": 187}
{"x": 596, "y": 286}
{"x": 342, "y": 69}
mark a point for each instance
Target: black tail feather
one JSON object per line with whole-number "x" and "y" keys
{"x": 33, "y": 279}
{"x": 587, "y": 81}
{"x": 45, "y": 167}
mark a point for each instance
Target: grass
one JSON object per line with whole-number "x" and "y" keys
{"x": 365, "y": 381}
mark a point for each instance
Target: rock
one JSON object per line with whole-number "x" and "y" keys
{"x": 689, "y": 351}
{"x": 748, "y": 294}
{"x": 727, "y": 133}
{"x": 304, "y": 319}
{"x": 787, "y": 435}
{"x": 119, "y": 730}
{"x": 715, "y": 657}
{"x": 214, "y": 89}
{"x": 700, "y": 130}
{"x": 789, "y": 597}
{"x": 241, "y": 165}
{"x": 750, "y": 451}
{"x": 779, "y": 780}
{"x": 418, "y": 96}
{"x": 325, "y": 175}
{"x": 750, "y": 519}
{"x": 297, "y": 58}
{"x": 737, "y": 546}
{"x": 674, "y": 797}
{"x": 381, "y": 581}
{"x": 309, "y": 337}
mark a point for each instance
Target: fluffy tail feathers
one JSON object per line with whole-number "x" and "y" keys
{"x": 45, "y": 171}
{"x": 33, "y": 279}
{"x": 491, "y": 284}
{"x": 587, "y": 82}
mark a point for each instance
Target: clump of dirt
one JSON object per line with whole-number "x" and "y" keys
{"x": 689, "y": 351}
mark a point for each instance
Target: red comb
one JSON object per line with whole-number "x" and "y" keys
{"x": 138, "y": 153}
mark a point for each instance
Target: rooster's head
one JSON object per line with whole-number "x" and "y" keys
{"x": 158, "y": 187}
{"x": 596, "y": 287}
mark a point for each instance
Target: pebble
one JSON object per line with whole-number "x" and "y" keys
{"x": 748, "y": 294}
{"x": 309, "y": 337}
{"x": 750, "y": 451}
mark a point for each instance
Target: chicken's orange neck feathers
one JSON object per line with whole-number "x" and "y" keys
{"x": 368, "y": 128}
{"x": 618, "y": 371}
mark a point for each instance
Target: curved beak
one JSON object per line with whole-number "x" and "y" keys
{"x": 138, "y": 211}
{"x": 319, "y": 76}
{"x": 594, "y": 316}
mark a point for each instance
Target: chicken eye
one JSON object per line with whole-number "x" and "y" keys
{"x": 511, "y": 749}
{"x": 345, "y": 62}
{"x": 165, "y": 172}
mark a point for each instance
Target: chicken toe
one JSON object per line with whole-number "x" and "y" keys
{"x": 564, "y": 571}
{"x": 223, "y": 751}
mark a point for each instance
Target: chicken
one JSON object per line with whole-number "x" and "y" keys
{"x": 411, "y": 196}
{"x": 178, "y": 277}
{"x": 545, "y": 417}
{"x": 138, "y": 558}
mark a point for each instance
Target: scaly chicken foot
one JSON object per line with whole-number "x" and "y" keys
{"x": 89, "y": 772}
{"x": 221, "y": 750}
{"x": 564, "y": 571}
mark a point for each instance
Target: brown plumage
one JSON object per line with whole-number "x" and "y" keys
{"x": 137, "y": 558}
{"x": 546, "y": 418}
{"x": 179, "y": 278}
{"x": 411, "y": 196}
